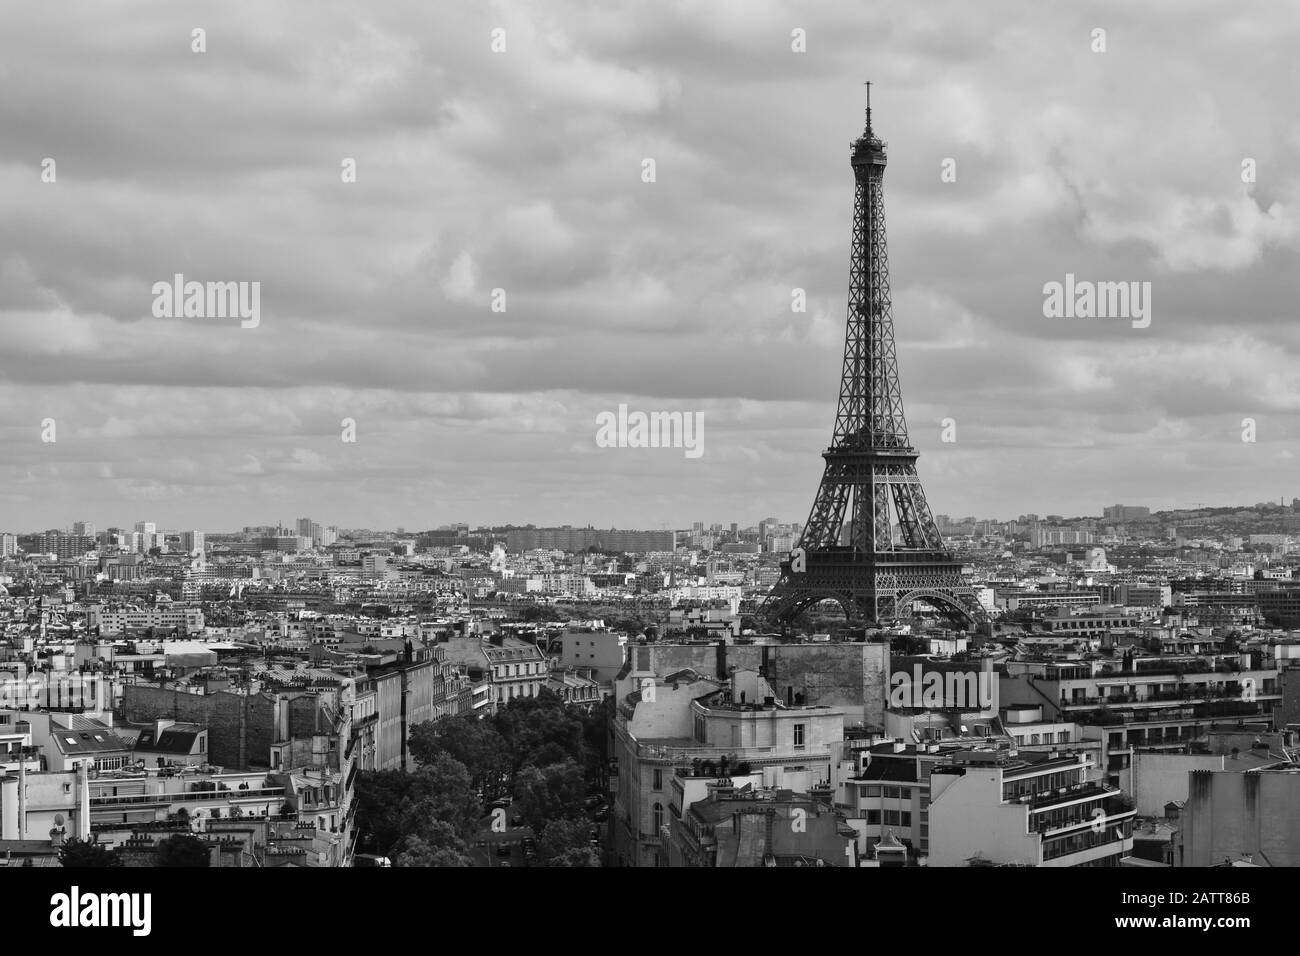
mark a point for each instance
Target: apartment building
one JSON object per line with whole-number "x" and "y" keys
{"x": 745, "y": 827}
{"x": 682, "y": 726}
{"x": 116, "y": 620}
{"x": 1006, "y": 807}
{"x": 513, "y": 667}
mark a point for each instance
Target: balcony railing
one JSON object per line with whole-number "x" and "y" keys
{"x": 1047, "y": 799}
{"x": 200, "y": 796}
{"x": 1087, "y": 840}
{"x": 1187, "y": 696}
{"x": 734, "y": 755}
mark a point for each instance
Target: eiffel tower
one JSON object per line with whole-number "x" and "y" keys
{"x": 849, "y": 551}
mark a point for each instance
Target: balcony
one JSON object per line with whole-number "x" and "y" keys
{"x": 1089, "y": 823}
{"x": 1187, "y": 696}
{"x": 141, "y": 800}
{"x": 1088, "y": 853}
{"x": 692, "y": 750}
{"x": 1072, "y": 794}
{"x": 1165, "y": 670}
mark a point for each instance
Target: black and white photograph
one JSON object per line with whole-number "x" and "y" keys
{"x": 526, "y": 434}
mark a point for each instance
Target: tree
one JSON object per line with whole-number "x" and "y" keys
{"x": 416, "y": 852}
{"x": 442, "y": 792}
{"x": 528, "y": 724}
{"x": 546, "y": 794}
{"x": 559, "y": 837}
{"x": 436, "y": 844}
{"x": 392, "y": 805}
{"x": 470, "y": 740}
{"x": 87, "y": 853}
{"x": 182, "y": 849}
{"x": 578, "y": 856}
{"x": 379, "y": 796}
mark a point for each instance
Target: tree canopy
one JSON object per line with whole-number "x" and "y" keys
{"x": 87, "y": 853}
{"x": 182, "y": 849}
{"x": 539, "y": 751}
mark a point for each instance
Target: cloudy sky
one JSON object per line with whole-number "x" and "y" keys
{"x": 521, "y": 170}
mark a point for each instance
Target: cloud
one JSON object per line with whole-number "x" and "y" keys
{"x": 522, "y": 171}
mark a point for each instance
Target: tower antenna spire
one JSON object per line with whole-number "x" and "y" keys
{"x": 868, "y": 86}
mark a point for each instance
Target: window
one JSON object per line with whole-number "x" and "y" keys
{"x": 658, "y": 816}
{"x": 891, "y": 818}
{"x": 891, "y": 793}
{"x": 873, "y": 818}
{"x": 1063, "y": 737}
{"x": 905, "y": 793}
{"x": 659, "y": 779}
{"x": 906, "y": 818}
{"x": 873, "y": 790}
{"x": 798, "y": 735}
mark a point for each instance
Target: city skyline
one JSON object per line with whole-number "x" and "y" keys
{"x": 672, "y": 295}
{"x": 708, "y": 524}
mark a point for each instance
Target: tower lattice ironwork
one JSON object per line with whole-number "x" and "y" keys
{"x": 870, "y": 542}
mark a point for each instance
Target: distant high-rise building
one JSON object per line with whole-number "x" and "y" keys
{"x": 1046, "y": 537}
{"x": 1119, "y": 514}
{"x": 192, "y": 541}
{"x": 8, "y": 545}
{"x": 581, "y": 539}
{"x": 86, "y": 528}
{"x": 780, "y": 543}
{"x": 63, "y": 545}
{"x": 146, "y": 527}
{"x": 327, "y": 536}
